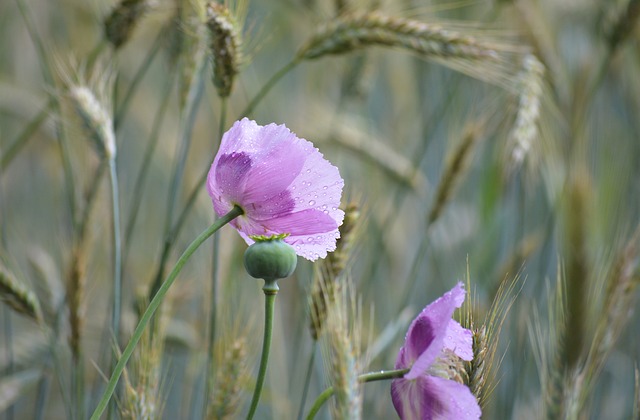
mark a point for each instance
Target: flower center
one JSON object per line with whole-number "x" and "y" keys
{"x": 448, "y": 366}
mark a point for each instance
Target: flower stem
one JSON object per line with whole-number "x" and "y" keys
{"x": 153, "y": 306}
{"x": 270, "y": 291}
{"x": 365, "y": 377}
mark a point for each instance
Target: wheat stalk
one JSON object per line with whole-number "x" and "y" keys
{"x": 326, "y": 288}
{"x": 453, "y": 172}
{"x": 18, "y": 296}
{"x": 226, "y": 47}
{"x": 230, "y": 379}
{"x": 525, "y": 128}
{"x": 480, "y": 373}
{"x": 355, "y": 31}
{"x": 120, "y": 24}
{"x": 341, "y": 354}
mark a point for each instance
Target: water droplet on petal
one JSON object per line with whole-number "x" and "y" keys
{"x": 325, "y": 187}
{"x": 311, "y": 202}
{"x": 325, "y": 211}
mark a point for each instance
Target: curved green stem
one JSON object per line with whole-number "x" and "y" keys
{"x": 153, "y": 306}
{"x": 270, "y": 291}
{"x": 366, "y": 377}
{"x": 267, "y": 87}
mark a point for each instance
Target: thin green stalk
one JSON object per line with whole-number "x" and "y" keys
{"x": 77, "y": 381}
{"x": 117, "y": 251}
{"x": 53, "y": 366}
{"x": 95, "y": 53}
{"x": 137, "y": 78}
{"x": 153, "y": 306}
{"x": 190, "y": 111}
{"x": 47, "y": 73}
{"x": 213, "y": 309}
{"x": 270, "y": 291}
{"x": 77, "y": 377}
{"x": 267, "y": 87}
{"x": 307, "y": 381}
{"x": 364, "y": 378}
{"x": 190, "y": 202}
{"x": 26, "y": 134}
{"x": 6, "y": 313}
{"x": 138, "y": 191}
{"x": 8, "y": 336}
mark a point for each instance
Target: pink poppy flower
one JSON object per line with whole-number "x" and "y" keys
{"x": 425, "y": 392}
{"x": 283, "y": 184}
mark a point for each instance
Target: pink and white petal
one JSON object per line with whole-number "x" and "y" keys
{"x": 455, "y": 401}
{"x": 228, "y": 176}
{"x": 425, "y": 338}
{"x": 302, "y": 223}
{"x": 459, "y": 340}
{"x": 315, "y": 246}
{"x": 279, "y": 205}
{"x": 249, "y": 227}
{"x": 428, "y": 397}
{"x": 407, "y": 397}
{"x": 220, "y": 204}
{"x": 241, "y": 137}
{"x": 311, "y": 232}
{"x": 319, "y": 184}
{"x": 278, "y": 163}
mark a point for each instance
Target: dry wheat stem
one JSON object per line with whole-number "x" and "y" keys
{"x": 356, "y": 31}
{"x": 119, "y": 25}
{"x": 326, "y": 286}
{"x": 18, "y": 296}
{"x": 341, "y": 354}
{"x": 453, "y": 172}
{"x": 525, "y": 129}
{"x": 226, "y": 47}
{"x": 230, "y": 379}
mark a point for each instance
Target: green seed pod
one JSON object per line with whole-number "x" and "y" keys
{"x": 270, "y": 259}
